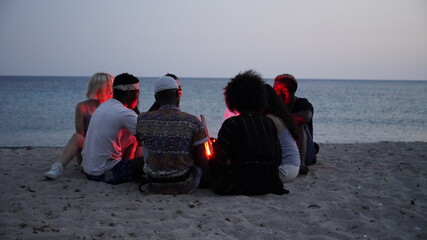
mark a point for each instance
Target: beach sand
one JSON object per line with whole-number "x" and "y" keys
{"x": 356, "y": 191}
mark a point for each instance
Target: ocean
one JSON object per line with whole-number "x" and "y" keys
{"x": 39, "y": 110}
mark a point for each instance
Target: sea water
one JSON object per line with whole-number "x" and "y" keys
{"x": 39, "y": 111}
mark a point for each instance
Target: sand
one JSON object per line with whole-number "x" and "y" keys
{"x": 356, "y": 191}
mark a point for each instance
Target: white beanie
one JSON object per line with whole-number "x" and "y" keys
{"x": 165, "y": 83}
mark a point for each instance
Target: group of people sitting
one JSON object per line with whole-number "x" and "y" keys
{"x": 267, "y": 141}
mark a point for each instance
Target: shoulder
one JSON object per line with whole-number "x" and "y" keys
{"x": 81, "y": 106}
{"x": 189, "y": 116}
{"x": 84, "y": 103}
{"x": 232, "y": 120}
{"x": 88, "y": 104}
{"x": 277, "y": 122}
{"x": 302, "y": 100}
{"x": 144, "y": 115}
{"x": 303, "y": 103}
{"x": 117, "y": 108}
{"x": 191, "y": 119}
{"x": 130, "y": 112}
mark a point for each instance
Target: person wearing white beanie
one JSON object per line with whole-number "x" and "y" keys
{"x": 173, "y": 143}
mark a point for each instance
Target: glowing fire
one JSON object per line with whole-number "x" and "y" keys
{"x": 208, "y": 144}
{"x": 208, "y": 149}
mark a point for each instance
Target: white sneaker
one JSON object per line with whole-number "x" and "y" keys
{"x": 55, "y": 171}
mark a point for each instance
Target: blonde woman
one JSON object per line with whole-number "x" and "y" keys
{"x": 99, "y": 90}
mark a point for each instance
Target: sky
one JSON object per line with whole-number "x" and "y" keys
{"x": 320, "y": 39}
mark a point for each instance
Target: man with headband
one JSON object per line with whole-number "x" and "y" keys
{"x": 111, "y": 153}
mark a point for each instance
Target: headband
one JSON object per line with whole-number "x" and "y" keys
{"x": 284, "y": 76}
{"x": 127, "y": 87}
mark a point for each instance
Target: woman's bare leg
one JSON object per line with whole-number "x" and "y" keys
{"x": 72, "y": 149}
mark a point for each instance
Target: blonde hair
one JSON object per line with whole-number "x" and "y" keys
{"x": 100, "y": 86}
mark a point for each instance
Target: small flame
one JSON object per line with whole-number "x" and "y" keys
{"x": 208, "y": 149}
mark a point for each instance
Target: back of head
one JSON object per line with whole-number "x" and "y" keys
{"x": 288, "y": 80}
{"x": 126, "y": 82}
{"x": 166, "y": 90}
{"x": 245, "y": 93}
{"x": 100, "y": 86}
{"x": 125, "y": 87}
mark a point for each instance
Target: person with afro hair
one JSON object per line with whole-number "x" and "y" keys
{"x": 247, "y": 150}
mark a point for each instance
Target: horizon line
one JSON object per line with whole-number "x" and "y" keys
{"x": 300, "y": 78}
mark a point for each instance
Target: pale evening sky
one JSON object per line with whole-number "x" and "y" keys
{"x": 330, "y": 39}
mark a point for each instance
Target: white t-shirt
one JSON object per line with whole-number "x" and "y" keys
{"x": 290, "y": 152}
{"x": 101, "y": 149}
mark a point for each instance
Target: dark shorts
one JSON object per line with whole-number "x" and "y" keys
{"x": 120, "y": 173}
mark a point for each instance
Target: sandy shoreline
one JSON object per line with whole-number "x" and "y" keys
{"x": 356, "y": 191}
